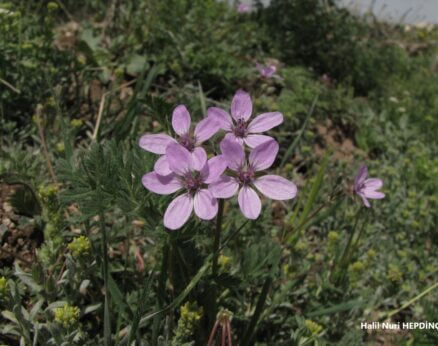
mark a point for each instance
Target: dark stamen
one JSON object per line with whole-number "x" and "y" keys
{"x": 240, "y": 130}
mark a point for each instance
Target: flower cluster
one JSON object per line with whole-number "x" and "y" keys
{"x": 190, "y": 315}
{"x": 184, "y": 165}
{"x": 80, "y": 246}
{"x": 67, "y": 316}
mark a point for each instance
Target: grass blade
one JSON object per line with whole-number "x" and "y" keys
{"x": 291, "y": 148}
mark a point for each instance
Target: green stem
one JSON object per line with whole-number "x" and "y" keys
{"x": 342, "y": 262}
{"x": 413, "y": 300}
{"x": 258, "y": 311}
{"x": 356, "y": 242}
{"x": 217, "y": 237}
{"x": 107, "y": 321}
{"x": 161, "y": 295}
{"x": 215, "y": 267}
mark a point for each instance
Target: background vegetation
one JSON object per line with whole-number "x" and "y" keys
{"x": 81, "y": 81}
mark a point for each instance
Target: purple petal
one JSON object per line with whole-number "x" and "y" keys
{"x": 224, "y": 187}
{"x": 233, "y": 153}
{"x": 276, "y": 187}
{"x": 263, "y": 156}
{"x": 163, "y": 185}
{"x": 222, "y": 117}
{"x": 365, "y": 201}
{"x": 205, "y": 205}
{"x": 162, "y": 166}
{"x": 179, "y": 158}
{"x": 369, "y": 193}
{"x": 215, "y": 167}
{"x": 230, "y": 136}
{"x": 178, "y": 212}
{"x": 199, "y": 157}
{"x": 269, "y": 71}
{"x": 206, "y": 128}
{"x": 373, "y": 183}
{"x": 241, "y": 106}
{"x": 243, "y": 8}
{"x": 361, "y": 176}
{"x": 249, "y": 203}
{"x": 253, "y": 141}
{"x": 181, "y": 120}
{"x": 265, "y": 122}
{"x": 156, "y": 144}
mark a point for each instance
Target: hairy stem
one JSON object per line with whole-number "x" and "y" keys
{"x": 107, "y": 320}
{"x": 217, "y": 237}
{"x": 343, "y": 262}
{"x": 46, "y": 152}
{"x": 161, "y": 289}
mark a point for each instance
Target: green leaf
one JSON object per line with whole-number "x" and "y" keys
{"x": 91, "y": 308}
{"x": 338, "y": 308}
{"x": 136, "y": 65}
{"x": 9, "y": 315}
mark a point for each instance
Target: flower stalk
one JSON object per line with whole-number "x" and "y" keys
{"x": 340, "y": 268}
{"x": 107, "y": 320}
{"x": 217, "y": 237}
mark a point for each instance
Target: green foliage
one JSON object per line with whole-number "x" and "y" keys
{"x": 108, "y": 270}
{"x": 31, "y": 65}
{"x": 329, "y": 39}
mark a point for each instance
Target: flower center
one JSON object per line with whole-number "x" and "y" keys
{"x": 240, "y": 130}
{"x": 246, "y": 176}
{"x": 192, "y": 182}
{"x": 187, "y": 142}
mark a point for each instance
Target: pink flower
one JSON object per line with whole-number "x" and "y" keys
{"x": 243, "y": 8}
{"x": 247, "y": 176}
{"x": 157, "y": 143}
{"x": 185, "y": 176}
{"x": 239, "y": 128}
{"x": 367, "y": 188}
{"x": 267, "y": 71}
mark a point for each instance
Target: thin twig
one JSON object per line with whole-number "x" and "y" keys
{"x": 212, "y": 334}
{"x": 230, "y": 337}
{"x": 60, "y": 273}
{"x": 101, "y": 107}
{"x": 10, "y": 86}
{"x": 410, "y": 302}
{"x": 39, "y": 125}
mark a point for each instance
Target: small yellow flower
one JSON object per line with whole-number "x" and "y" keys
{"x": 47, "y": 192}
{"x": 67, "y": 316}
{"x": 356, "y": 267}
{"x": 313, "y": 327}
{"x": 3, "y": 286}
{"x": 224, "y": 262}
{"x": 301, "y": 246}
{"x": 286, "y": 269}
{"x": 394, "y": 274}
{"x": 188, "y": 320}
{"x": 333, "y": 237}
{"x": 371, "y": 254}
{"x": 60, "y": 147}
{"x": 76, "y": 123}
{"x": 52, "y": 6}
{"x": 80, "y": 246}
